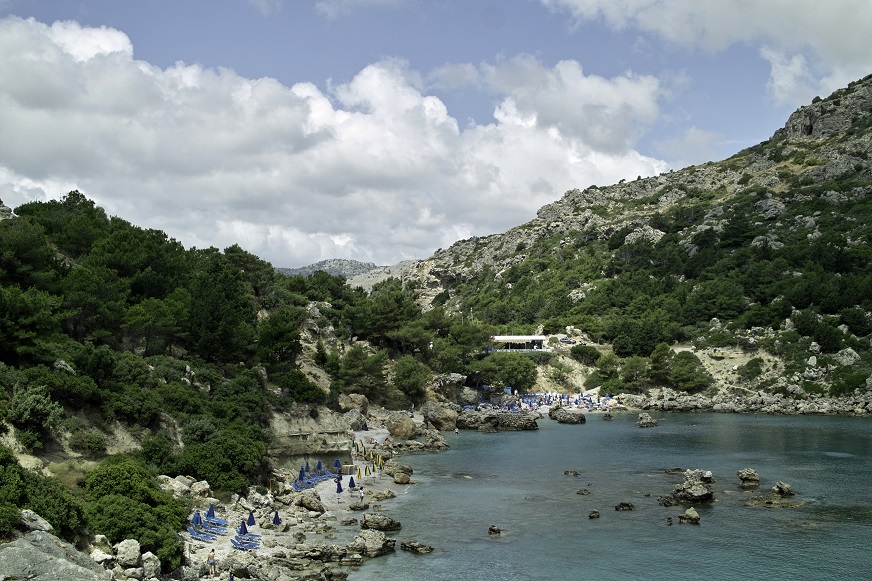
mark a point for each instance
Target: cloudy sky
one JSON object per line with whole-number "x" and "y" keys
{"x": 381, "y": 130}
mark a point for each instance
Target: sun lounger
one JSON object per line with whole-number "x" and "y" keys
{"x": 200, "y": 536}
{"x": 244, "y": 545}
{"x": 213, "y": 529}
{"x": 215, "y": 520}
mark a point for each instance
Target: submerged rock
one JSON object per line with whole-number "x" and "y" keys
{"x": 696, "y": 487}
{"x": 690, "y": 516}
{"x": 416, "y": 547}
{"x": 748, "y": 476}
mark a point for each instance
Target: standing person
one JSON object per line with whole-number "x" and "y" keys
{"x": 210, "y": 559}
{"x": 361, "y": 494}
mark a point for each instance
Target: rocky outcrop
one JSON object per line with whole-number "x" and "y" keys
{"x": 748, "y": 476}
{"x": 566, "y": 416}
{"x": 441, "y": 416}
{"x": 5, "y": 211}
{"x": 373, "y": 543}
{"x": 40, "y": 556}
{"x": 379, "y": 522}
{"x": 297, "y": 437}
{"x": 646, "y": 421}
{"x": 492, "y": 421}
{"x": 690, "y": 516}
{"x": 696, "y": 488}
{"x": 447, "y": 387}
{"x": 416, "y": 547}
{"x": 857, "y": 404}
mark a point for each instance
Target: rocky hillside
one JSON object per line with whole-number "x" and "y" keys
{"x": 820, "y": 142}
{"x": 334, "y": 266}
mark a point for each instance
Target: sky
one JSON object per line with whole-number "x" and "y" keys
{"x": 383, "y": 130}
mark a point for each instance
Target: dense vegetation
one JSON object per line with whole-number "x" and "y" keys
{"x": 104, "y": 323}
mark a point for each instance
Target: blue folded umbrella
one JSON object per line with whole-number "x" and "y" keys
{"x": 251, "y": 520}
{"x": 276, "y": 520}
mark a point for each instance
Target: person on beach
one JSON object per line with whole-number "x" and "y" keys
{"x": 361, "y": 494}
{"x": 210, "y": 560}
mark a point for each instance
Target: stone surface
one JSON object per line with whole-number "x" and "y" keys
{"x": 646, "y": 421}
{"x": 379, "y": 522}
{"x": 748, "y": 476}
{"x": 127, "y": 553}
{"x": 40, "y": 556}
{"x": 690, "y": 516}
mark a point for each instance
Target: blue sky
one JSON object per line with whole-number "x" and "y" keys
{"x": 381, "y": 130}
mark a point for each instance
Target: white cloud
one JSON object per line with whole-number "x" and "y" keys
{"x": 373, "y": 169}
{"x": 694, "y": 146}
{"x": 267, "y": 7}
{"x": 830, "y": 41}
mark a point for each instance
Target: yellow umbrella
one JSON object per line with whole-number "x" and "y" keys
{"x": 368, "y": 471}
{"x": 358, "y": 473}
{"x": 370, "y": 454}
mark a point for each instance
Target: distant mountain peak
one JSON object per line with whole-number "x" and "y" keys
{"x": 334, "y": 266}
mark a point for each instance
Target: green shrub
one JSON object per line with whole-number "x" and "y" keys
{"x": 751, "y": 370}
{"x": 88, "y": 441}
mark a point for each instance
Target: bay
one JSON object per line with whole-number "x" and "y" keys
{"x": 516, "y": 481}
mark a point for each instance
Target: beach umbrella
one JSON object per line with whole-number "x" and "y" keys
{"x": 351, "y": 482}
{"x": 368, "y": 471}
{"x": 307, "y": 466}
{"x": 370, "y": 454}
{"x": 319, "y": 467}
{"x": 359, "y": 475}
{"x": 251, "y": 520}
{"x": 338, "y": 465}
{"x": 302, "y": 474}
{"x": 197, "y": 519}
{"x": 242, "y": 530}
{"x": 211, "y": 512}
{"x": 338, "y": 486}
{"x": 276, "y": 520}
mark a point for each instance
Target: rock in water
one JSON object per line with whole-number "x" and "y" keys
{"x": 416, "y": 547}
{"x": 494, "y": 530}
{"x": 690, "y": 516}
{"x": 748, "y": 476}
{"x": 646, "y": 421}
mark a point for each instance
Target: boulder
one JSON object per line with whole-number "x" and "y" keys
{"x": 583, "y": 492}
{"x": 401, "y": 426}
{"x": 358, "y": 505}
{"x": 690, "y": 516}
{"x": 625, "y": 506}
{"x": 646, "y": 421}
{"x": 372, "y": 543}
{"x": 748, "y": 476}
{"x": 354, "y": 401}
{"x": 443, "y": 417}
{"x": 567, "y": 416}
{"x": 356, "y": 420}
{"x": 310, "y": 500}
{"x": 41, "y": 555}
{"x": 127, "y": 553}
{"x": 150, "y": 565}
{"x": 416, "y": 547}
{"x": 448, "y": 386}
{"x": 391, "y": 468}
{"x": 31, "y": 521}
{"x": 696, "y": 487}
{"x": 593, "y": 514}
{"x": 494, "y": 530}
{"x": 571, "y": 472}
{"x": 401, "y": 478}
{"x": 201, "y": 488}
{"x": 783, "y": 489}
{"x": 379, "y": 522}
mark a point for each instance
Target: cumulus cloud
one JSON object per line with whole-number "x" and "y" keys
{"x": 372, "y": 169}
{"x": 806, "y": 42}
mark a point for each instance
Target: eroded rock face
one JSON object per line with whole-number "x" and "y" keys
{"x": 40, "y": 555}
{"x": 696, "y": 487}
{"x": 310, "y": 500}
{"x": 567, "y": 416}
{"x": 646, "y": 421}
{"x": 379, "y": 522}
{"x": 372, "y": 543}
{"x": 748, "y": 476}
{"x": 443, "y": 417}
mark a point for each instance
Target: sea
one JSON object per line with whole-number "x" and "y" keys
{"x": 516, "y": 481}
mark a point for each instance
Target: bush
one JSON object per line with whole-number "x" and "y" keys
{"x": 88, "y": 441}
{"x": 751, "y": 370}
{"x": 584, "y": 354}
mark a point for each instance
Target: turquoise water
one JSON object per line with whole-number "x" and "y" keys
{"x": 515, "y": 480}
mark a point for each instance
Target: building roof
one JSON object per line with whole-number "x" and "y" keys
{"x": 517, "y": 338}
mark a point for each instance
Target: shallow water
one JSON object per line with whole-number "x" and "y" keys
{"x": 516, "y": 481}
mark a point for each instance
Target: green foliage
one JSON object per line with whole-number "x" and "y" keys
{"x": 49, "y": 498}
{"x": 33, "y": 411}
{"x": 584, "y": 354}
{"x": 687, "y": 373}
{"x": 124, "y": 501}
{"x": 410, "y": 376}
{"x": 230, "y": 460}
{"x": 513, "y": 370}
{"x": 751, "y": 370}
{"x": 362, "y": 373}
